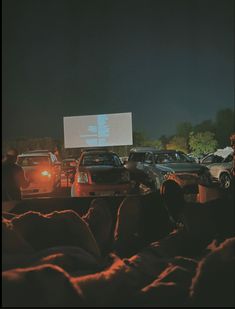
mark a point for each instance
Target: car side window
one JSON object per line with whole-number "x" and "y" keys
{"x": 209, "y": 159}
{"x": 217, "y": 159}
{"x": 148, "y": 157}
{"x": 117, "y": 162}
{"x": 228, "y": 159}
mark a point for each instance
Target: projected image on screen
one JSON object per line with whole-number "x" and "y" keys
{"x": 98, "y": 130}
{"x": 98, "y": 134}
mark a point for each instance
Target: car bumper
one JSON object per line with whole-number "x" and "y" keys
{"x": 79, "y": 190}
{"x": 35, "y": 189}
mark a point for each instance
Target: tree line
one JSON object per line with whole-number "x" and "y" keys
{"x": 198, "y": 139}
{"x": 202, "y": 138}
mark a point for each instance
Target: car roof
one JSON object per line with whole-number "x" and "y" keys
{"x": 142, "y": 149}
{"x": 38, "y": 150}
{"x": 34, "y": 154}
{"x": 98, "y": 152}
{"x": 150, "y": 149}
{"x": 104, "y": 149}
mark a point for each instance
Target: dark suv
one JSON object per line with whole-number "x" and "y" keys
{"x": 100, "y": 173}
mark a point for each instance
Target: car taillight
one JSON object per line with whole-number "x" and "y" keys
{"x": 82, "y": 177}
{"x": 46, "y": 173}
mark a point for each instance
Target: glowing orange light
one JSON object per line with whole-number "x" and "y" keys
{"x": 46, "y": 173}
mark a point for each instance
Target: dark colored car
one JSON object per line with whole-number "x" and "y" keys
{"x": 100, "y": 173}
{"x": 158, "y": 165}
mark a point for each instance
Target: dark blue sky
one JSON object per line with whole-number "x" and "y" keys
{"x": 166, "y": 61}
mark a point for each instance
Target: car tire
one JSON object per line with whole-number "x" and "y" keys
{"x": 225, "y": 181}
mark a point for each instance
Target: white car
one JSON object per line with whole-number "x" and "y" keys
{"x": 222, "y": 172}
{"x": 42, "y": 169}
{"x": 220, "y": 166}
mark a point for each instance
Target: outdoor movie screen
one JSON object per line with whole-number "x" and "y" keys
{"x": 98, "y": 130}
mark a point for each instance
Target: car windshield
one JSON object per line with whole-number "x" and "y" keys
{"x": 174, "y": 157}
{"x": 137, "y": 156}
{"x": 33, "y": 161}
{"x": 100, "y": 159}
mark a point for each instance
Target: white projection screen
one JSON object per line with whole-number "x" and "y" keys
{"x": 98, "y": 130}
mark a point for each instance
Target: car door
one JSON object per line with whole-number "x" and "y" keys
{"x": 149, "y": 166}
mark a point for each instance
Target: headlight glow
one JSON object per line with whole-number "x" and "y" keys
{"x": 46, "y": 173}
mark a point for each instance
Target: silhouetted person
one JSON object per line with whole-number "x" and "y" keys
{"x": 13, "y": 177}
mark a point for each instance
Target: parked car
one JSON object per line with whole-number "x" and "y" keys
{"x": 43, "y": 170}
{"x": 222, "y": 172}
{"x": 220, "y": 166}
{"x": 158, "y": 165}
{"x": 210, "y": 159}
{"x": 100, "y": 173}
{"x": 68, "y": 170}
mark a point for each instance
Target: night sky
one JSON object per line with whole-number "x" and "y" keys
{"x": 166, "y": 61}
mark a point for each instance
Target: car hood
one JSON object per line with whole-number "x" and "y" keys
{"x": 164, "y": 168}
{"x": 103, "y": 168}
{"x": 180, "y": 167}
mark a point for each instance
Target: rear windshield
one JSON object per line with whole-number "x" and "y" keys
{"x": 137, "y": 156}
{"x": 100, "y": 159}
{"x": 33, "y": 161}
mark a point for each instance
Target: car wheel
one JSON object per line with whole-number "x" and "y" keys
{"x": 225, "y": 181}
